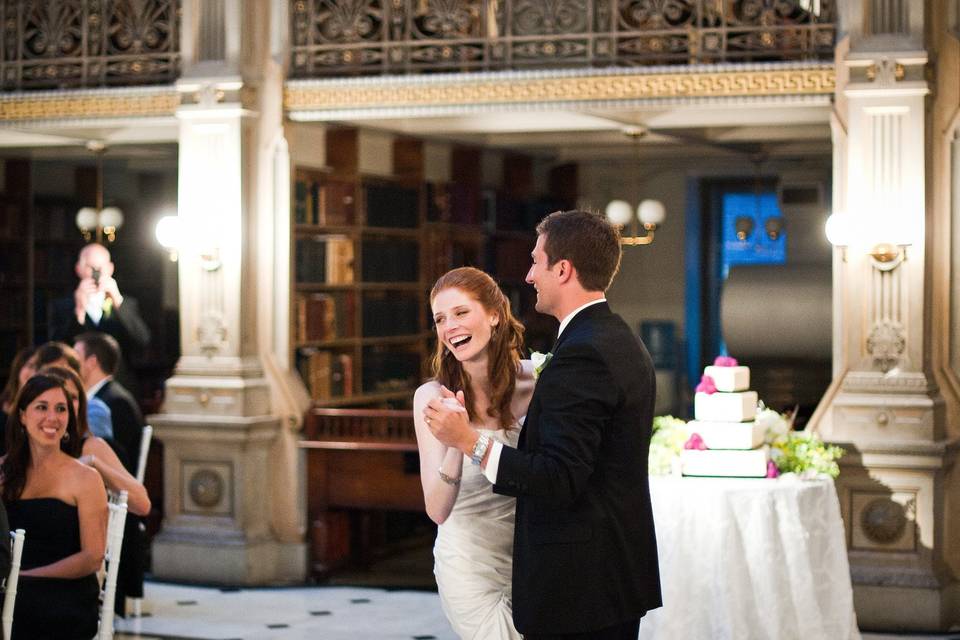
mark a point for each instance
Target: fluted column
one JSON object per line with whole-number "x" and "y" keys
{"x": 887, "y": 403}
{"x": 233, "y": 512}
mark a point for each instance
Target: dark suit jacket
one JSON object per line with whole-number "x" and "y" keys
{"x": 585, "y": 553}
{"x": 127, "y": 421}
{"x": 124, "y": 323}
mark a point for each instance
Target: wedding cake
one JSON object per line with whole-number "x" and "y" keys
{"x": 725, "y": 440}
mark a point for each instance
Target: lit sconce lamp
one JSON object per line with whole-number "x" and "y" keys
{"x": 650, "y": 213}
{"x": 743, "y": 226}
{"x": 104, "y": 221}
{"x": 884, "y": 255}
{"x": 168, "y": 235}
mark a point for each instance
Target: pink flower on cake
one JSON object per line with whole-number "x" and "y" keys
{"x": 707, "y": 385}
{"x": 695, "y": 442}
{"x": 724, "y": 361}
{"x": 772, "y": 470}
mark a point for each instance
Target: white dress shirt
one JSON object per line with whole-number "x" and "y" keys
{"x": 493, "y": 462}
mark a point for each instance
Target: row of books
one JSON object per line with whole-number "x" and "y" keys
{"x": 390, "y": 260}
{"x": 390, "y": 313}
{"x": 325, "y": 316}
{"x": 324, "y": 259}
{"x": 327, "y": 374}
{"x": 323, "y": 201}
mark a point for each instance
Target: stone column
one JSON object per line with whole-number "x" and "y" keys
{"x": 887, "y": 404}
{"x": 228, "y": 415}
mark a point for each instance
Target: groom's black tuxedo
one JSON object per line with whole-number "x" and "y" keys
{"x": 585, "y": 553}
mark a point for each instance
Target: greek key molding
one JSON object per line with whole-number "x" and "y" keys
{"x": 88, "y": 105}
{"x": 520, "y": 88}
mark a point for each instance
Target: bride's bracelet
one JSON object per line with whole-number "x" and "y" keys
{"x": 448, "y": 479}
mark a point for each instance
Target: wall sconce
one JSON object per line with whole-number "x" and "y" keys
{"x": 168, "y": 235}
{"x": 743, "y": 225}
{"x": 885, "y": 256}
{"x": 650, "y": 213}
{"x": 104, "y": 220}
{"x": 774, "y": 226}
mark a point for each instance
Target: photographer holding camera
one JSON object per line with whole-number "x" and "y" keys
{"x": 98, "y": 305}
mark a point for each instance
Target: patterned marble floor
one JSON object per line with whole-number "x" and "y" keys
{"x": 176, "y": 612}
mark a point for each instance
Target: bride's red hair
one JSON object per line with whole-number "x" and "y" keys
{"x": 504, "y": 348}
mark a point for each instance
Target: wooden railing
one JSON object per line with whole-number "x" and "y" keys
{"x": 414, "y": 36}
{"x": 360, "y": 464}
{"x": 382, "y": 429}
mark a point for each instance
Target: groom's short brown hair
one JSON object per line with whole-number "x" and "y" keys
{"x": 588, "y": 241}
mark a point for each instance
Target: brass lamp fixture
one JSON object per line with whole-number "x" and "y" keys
{"x": 99, "y": 220}
{"x": 884, "y": 255}
{"x": 650, "y": 213}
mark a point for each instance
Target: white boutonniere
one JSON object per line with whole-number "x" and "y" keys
{"x": 539, "y": 361}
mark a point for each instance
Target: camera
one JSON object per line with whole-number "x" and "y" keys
{"x": 95, "y": 274}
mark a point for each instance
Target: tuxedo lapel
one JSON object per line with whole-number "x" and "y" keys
{"x": 585, "y": 316}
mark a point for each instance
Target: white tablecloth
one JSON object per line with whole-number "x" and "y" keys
{"x": 750, "y": 559}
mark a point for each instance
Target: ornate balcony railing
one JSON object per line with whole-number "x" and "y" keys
{"x": 354, "y": 37}
{"x": 55, "y": 44}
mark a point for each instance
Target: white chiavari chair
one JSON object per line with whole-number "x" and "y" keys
{"x": 111, "y": 560}
{"x": 137, "y": 603}
{"x": 10, "y": 586}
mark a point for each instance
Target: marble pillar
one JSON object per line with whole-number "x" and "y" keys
{"x": 888, "y": 405}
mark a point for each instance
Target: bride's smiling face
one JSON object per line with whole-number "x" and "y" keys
{"x": 463, "y": 325}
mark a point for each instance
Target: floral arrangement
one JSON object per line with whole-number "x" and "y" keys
{"x": 804, "y": 453}
{"x": 799, "y": 452}
{"x": 669, "y": 436}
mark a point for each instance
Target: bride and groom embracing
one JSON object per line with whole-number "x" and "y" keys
{"x": 563, "y": 546}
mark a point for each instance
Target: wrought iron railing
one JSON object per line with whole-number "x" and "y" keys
{"x": 351, "y": 37}
{"x": 52, "y": 44}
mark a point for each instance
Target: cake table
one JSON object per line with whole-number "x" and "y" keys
{"x": 750, "y": 558}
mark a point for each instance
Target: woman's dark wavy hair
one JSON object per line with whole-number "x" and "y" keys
{"x": 66, "y": 374}
{"x": 17, "y": 461}
{"x": 504, "y": 349}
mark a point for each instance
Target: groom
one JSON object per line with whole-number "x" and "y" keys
{"x": 585, "y": 553}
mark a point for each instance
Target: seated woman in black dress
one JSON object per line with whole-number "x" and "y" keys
{"x": 95, "y": 451}
{"x": 62, "y": 505}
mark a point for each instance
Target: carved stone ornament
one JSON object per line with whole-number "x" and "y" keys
{"x": 883, "y": 520}
{"x": 206, "y": 488}
{"x": 886, "y": 344}
{"x": 885, "y": 72}
{"x": 212, "y": 333}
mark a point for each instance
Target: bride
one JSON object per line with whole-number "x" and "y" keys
{"x": 478, "y": 351}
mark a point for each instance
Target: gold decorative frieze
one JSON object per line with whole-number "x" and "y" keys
{"x": 517, "y": 89}
{"x": 88, "y": 105}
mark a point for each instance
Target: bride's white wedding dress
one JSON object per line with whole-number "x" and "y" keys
{"x": 473, "y": 556}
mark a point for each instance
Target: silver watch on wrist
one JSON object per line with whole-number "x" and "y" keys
{"x": 480, "y": 449}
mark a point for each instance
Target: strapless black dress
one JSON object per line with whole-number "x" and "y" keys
{"x": 51, "y": 608}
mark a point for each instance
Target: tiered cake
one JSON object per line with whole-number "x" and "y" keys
{"x": 725, "y": 440}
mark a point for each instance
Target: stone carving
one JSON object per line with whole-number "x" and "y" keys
{"x": 212, "y": 333}
{"x": 206, "y": 488}
{"x": 886, "y": 344}
{"x": 883, "y": 521}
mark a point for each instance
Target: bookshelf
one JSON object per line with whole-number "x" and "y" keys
{"x": 366, "y": 250}
{"x": 359, "y": 333}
